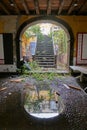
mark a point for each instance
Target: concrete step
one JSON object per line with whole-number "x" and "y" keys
{"x": 45, "y": 58}
{"x": 45, "y": 63}
{"x": 47, "y": 66}
{"x": 45, "y": 53}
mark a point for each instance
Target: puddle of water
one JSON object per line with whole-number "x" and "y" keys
{"x": 42, "y": 102}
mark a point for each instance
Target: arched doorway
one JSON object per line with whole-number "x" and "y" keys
{"x": 47, "y": 19}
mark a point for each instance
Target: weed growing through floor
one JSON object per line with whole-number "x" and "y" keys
{"x": 34, "y": 66}
{"x": 37, "y": 73}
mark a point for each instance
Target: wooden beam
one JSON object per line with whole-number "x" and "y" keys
{"x": 2, "y": 89}
{"x": 4, "y": 8}
{"x": 48, "y": 7}
{"x": 36, "y": 3}
{"x": 14, "y": 5}
{"x": 16, "y": 8}
{"x": 74, "y": 87}
{"x": 82, "y": 5}
{"x": 72, "y": 7}
{"x": 61, "y": 6}
{"x": 25, "y": 6}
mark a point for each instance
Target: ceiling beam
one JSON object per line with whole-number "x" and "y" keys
{"x": 36, "y": 3}
{"x": 25, "y": 6}
{"x": 82, "y": 5}
{"x": 16, "y": 8}
{"x": 4, "y": 8}
{"x": 72, "y": 6}
{"x": 61, "y": 6}
{"x": 48, "y": 7}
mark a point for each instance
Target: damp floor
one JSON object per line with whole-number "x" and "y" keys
{"x": 14, "y": 117}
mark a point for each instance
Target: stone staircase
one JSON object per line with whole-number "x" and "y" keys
{"x": 45, "y": 53}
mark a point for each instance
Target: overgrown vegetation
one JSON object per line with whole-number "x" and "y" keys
{"x": 34, "y": 30}
{"x": 34, "y": 66}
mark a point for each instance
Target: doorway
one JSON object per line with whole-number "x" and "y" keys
{"x": 60, "y": 33}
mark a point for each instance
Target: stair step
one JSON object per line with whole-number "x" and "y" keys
{"x": 45, "y": 63}
{"x": 45, "y": 60}
{"x": 46, "y": 44}
{"x": 45, "y": 55}
{"x": 46, "y": 47}
{"x": 47, "y": 66}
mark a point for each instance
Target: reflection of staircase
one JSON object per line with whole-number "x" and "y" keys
{"x": 45, "y": 53}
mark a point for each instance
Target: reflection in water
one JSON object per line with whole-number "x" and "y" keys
{"x": 43, "y": 102}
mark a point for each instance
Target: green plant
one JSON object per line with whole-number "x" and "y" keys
{"x": 34, "y": 65}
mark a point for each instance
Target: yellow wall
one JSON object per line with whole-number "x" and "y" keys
{"x": 78, "y": 24}
{"x": 10, "y": 24}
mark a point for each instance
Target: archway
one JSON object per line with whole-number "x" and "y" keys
{"x": 46, "y": 19}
